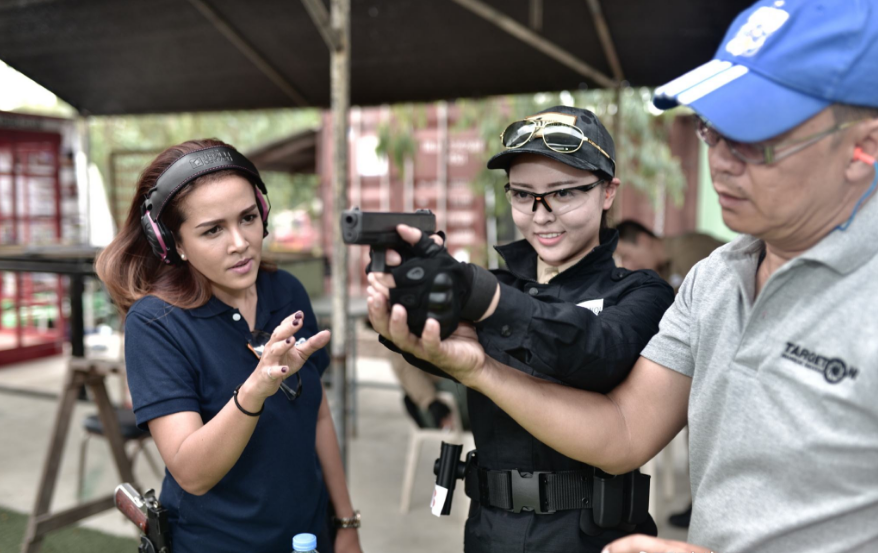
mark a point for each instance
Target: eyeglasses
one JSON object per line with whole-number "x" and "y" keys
{"x": 256, "y": 344}
{"x": 557, "y": 136}
{"x": 760, "y": 153}
{"x": 564, "y": 199}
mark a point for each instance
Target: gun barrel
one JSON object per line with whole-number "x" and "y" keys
{"x": 131, "y": 504}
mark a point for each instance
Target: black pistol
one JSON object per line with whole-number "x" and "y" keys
{"x": 378, "y": 231}
{"x": 147, "y": 513}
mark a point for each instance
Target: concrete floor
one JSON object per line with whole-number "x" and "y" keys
{"x": 377, "y": 455}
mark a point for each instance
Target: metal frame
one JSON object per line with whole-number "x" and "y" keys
{"x": 249, "y": 51}
{"x": 540, "y": 43}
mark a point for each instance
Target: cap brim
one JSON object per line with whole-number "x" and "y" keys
{"x": 739, "y": 103}
{"x": 504, "y": 159}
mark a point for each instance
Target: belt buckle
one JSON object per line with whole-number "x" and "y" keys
{"x": 527, "y": 492}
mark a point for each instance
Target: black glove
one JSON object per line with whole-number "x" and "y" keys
{"x": 429, "y": 285}
{"x": 405, "y": 251}
{"x": 432, "y": 284}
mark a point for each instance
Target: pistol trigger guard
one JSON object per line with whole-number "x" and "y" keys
{"x": 379, "y": 257}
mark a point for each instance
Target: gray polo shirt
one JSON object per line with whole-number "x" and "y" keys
{"x": 783, "y": 412}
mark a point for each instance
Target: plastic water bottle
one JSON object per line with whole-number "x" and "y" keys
{"x": 306, "y": 543}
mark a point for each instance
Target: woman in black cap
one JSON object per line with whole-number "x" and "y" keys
{"x": 561, "y": 311}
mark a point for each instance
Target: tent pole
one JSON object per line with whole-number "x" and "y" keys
{"x": 243, "y": 46}
{"x": 537, "y": 41}
{"x": 340, "y": 98}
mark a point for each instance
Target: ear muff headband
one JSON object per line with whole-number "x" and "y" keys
{"x": 182, "y": 172}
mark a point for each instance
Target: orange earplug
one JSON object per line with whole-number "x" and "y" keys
{"x": 860, "y": 155}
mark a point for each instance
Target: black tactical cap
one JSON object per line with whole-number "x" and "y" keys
{"x": 597, "y": 154}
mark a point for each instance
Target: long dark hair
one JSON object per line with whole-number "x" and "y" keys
{"x": 129, "y": 268}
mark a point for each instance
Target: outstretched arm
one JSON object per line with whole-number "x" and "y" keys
{"x": 617, "y": 432}
{"x": 572, "y": 344}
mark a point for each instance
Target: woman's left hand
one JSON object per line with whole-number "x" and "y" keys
{"x": 347, "y": 540}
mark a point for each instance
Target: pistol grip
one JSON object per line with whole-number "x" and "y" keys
{"x": 378, "y": 260}
{"x": 131, "y": 510}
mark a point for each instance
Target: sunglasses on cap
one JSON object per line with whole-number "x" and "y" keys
{"x": 256, "y": 343}
{"x": 558, "y": 137}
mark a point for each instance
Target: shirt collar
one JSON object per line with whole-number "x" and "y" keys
{"x": 546, "y": 272}
{"x": 522, "y": 260}
{"x": 264, "y": 295}
{"x": 841, "y": 251}
{"x": 846, "y": 250}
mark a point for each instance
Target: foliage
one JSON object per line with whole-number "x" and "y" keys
{"x": 396, "y": 135}
{"x": 644, "y": 158}
{"x": 245, "y": 130}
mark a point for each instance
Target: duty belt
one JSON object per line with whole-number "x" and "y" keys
{"x": 541, "y": 492}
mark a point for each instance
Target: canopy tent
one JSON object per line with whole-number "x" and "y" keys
{"x": 296, "y": 153}
{"x": 146, "y": 56}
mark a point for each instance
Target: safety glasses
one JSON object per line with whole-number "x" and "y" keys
{"x": 257, "y": 342}
{"x": 760, "y": 153}
{"x": 557, "y": 201}
{"x": 558, "y": 137}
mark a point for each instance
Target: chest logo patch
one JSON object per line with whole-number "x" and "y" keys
{"x": 834, "y": 369}
{"x": 595, "y": 306}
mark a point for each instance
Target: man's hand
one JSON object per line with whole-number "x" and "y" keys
{"x": 640, "y": 543}
{"x": 460, "y": 355}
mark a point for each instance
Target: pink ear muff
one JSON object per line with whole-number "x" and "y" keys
{"x": 158, "y": 235}
{"x": 265, "y": 209}
{"x": 860, "y": 155}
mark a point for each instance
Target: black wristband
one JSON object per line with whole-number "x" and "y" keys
{"x": 482, "y": 287}
{"x": 238, "y": 405}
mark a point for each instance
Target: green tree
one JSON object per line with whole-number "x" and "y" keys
{"x": 244, "y": 129}
{"x": 644, "y": 158}
{"x": 396, "y": 135}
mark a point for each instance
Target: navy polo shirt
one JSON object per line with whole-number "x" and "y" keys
{"x": 192, "y": 360}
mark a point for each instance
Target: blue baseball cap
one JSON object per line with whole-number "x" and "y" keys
{"x": 780, "y": 63}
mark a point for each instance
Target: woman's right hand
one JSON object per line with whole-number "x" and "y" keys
{"x": 282, "y": 358}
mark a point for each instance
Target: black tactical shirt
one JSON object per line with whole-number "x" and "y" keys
{"x": 585, "y": 328}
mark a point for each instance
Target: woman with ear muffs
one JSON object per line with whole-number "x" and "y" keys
{"x": 212, "y": 333}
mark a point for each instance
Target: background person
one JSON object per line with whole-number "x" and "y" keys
{"x": 768, "y": 350}
{"x": 420, "y": 396}
{"x": 212, "y": 332}
{"x": 563, "y": 312}
{"x": 672, "y": 257}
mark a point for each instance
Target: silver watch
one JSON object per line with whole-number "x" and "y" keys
{"x": 349, "y": 522}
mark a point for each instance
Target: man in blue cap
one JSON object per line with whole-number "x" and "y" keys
{"x": 769, "y": 351}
